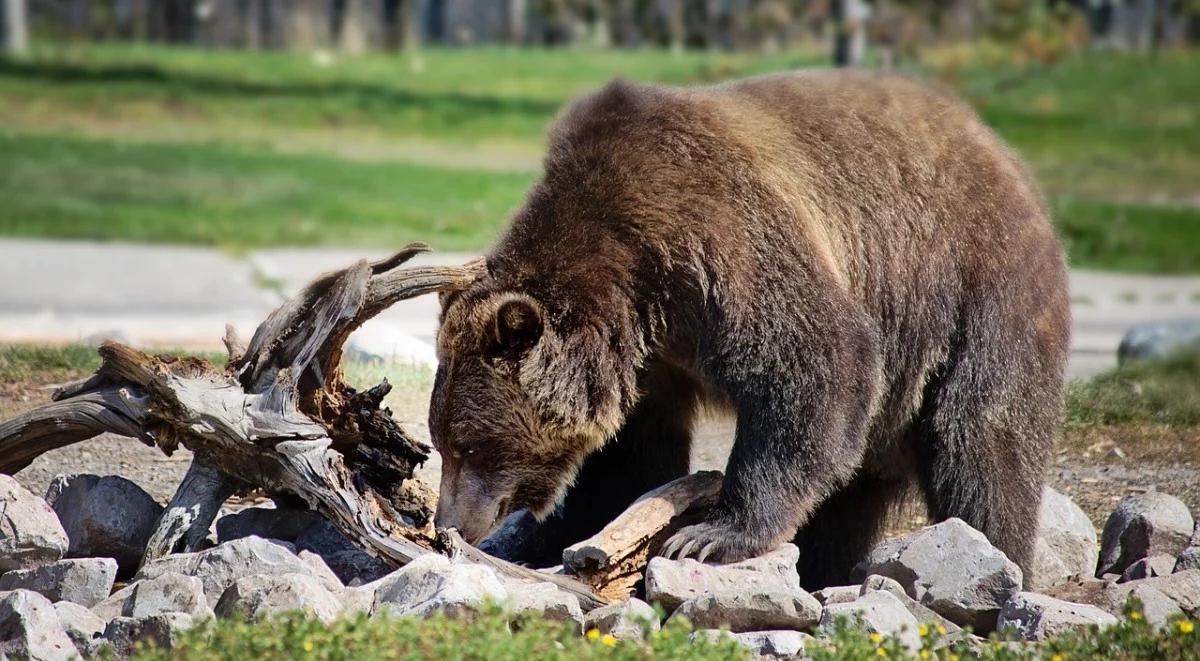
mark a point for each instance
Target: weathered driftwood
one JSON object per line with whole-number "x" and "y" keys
{"x": 612, "y": 560}
{"x": 279, "y": 417}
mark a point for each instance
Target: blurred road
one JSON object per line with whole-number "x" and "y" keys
{"x": 58, "y": 292}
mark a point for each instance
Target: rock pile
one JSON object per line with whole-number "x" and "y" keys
{"x": 264, "y": 561}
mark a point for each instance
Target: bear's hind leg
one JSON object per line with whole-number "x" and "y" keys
{"x": 987, "y": 424}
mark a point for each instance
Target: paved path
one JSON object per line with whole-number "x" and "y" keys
{"x": 182, "y": 297}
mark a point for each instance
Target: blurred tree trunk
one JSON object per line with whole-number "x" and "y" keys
{"x": 517, "y": 28}
{"x": 850, "y": 32}
{"x": 352, "y": 28}
{"x": 403, "y": 25}
{"x": 676, "y": 26}
{"x": 307, "y": 24}
{"x": 14, "y": 34}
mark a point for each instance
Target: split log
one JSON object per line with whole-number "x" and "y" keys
{"x": 279, "y": 416}
{"x": 612, "y": 560}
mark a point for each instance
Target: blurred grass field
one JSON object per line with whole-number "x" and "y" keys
{"x": 246, "y": 149}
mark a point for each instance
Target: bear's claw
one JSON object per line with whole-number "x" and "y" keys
{"x": 719, "y": 542}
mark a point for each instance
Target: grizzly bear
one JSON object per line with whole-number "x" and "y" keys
{"x": 848, "y": 262}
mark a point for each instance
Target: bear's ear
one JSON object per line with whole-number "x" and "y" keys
{"x": 518, "y": 327}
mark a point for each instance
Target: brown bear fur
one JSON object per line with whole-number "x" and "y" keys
{"x": 851, "y": 262}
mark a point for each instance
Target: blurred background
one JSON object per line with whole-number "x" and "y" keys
{"x": 167, "y": 166}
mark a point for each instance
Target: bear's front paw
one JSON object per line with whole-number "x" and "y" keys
{"x": 717, "y": 541}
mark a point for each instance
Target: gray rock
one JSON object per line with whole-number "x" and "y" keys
{"x": 1189, "y": 559}
{"x": 254, "y": 597}
{"x": 434, "y": 584}
{"x": 1157, "y": 565}
{"x": 628, "y": 620}
{"x": 165, "y": 593}
{"x": 774, "y": 644}
{"x": 344, "y": 557}
{"x": 1183, "y": 588}
{"x": 672, "y": 582}
{"x": 950, "y": 568}
{"x": 1033, "y": 616}
{"x": 84, "y": 581}
{"x": 544, "y": 600}
{"x": 751, "y": 610}
{"x": 1067, "y": 545}
{"x": 81, "y": 625}
{"x": 841, "y": 594}
{"x": 1159, "y": 340}
{"x": 924, "y": 615}
{"x": 30, "y": 533}
{"x": 1157, "y": 608}
{"x": 223, "y": 564}
{"x": 880, "y": 612}
{"x": 124, "y": 634}
{"x": 29, "y": 628}
{"x": 266, "y": 522}
{"x": 106, "y": 517}
{"x": 1143, "y": 525}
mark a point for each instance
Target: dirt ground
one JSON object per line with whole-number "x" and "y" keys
{"x": 1096, "y": 466}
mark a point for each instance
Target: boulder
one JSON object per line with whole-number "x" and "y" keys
{"x": 924, "y": 615}
{"x": 880, "y": 612}
{"x": 434, "y": 584}
{"x": 543, "y": 600}
{"x": 254, "y": 597}
{"x": 1157, "y": 608}
{"x": 672, "y": 582}
{"x": 1159, "y": 340}
{"x": 165, "y": 593}
{"x": 81, "y": 625}
{"x": 751, "y": 610}
{"x": 628, "y": 620}
{"x": 1183, "y": 588}
{"x": 223, "y": 564}
{"x": 1143, "y": 525}
{"x": 123, "y": 634}
{"x": 347, "y": 560}
{"x": 266, "y": 522}
{"x": 1067, "y": 545}
{"x": 107, "y": 517}
{"x": 1157, "y": 565}
{"x": 30, "y": 629}
{"x": 837, "y": 595}
{"x": 950, "y": 568}
{"x": 84, "y": 581}
{"x": 1036, "y": 617}
{"x": 774, "y": 644}
{"x": 30, "y": 533}
{"x": 1189, "y": 559}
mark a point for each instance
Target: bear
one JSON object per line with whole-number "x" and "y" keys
{"x": 849, "y": 263}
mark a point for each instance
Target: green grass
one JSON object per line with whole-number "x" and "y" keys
{"x": 67, "y": 187}
{"x": 1162, "y": 392}
{"x": 246, "y": 149}
{"x": 21, "y": 363}
{"x": 496, "y": 635}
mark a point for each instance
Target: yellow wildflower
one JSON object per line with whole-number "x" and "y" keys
{"x": 923, "y": 630}
{"x": 875, "y": 637}
{"x": 1135, "y": 615}
{"x": 924, "y": 654}
{"x": 593, "y": 634}
{"x": 1186, "y": 626}
{"x": 608, "y": 640}
{"x": 1056, "y": 657}
{"x": 879, "y": 651}
{"x": 941, "y": 630}
{"x": 308, "y": 645}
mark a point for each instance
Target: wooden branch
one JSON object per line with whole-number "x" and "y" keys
{"x": 279, "y": 416}
{"x": 612, "y": 560}
{"x": 184, "y": 524}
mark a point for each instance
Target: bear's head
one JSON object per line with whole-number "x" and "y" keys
{"x": 519, "y": 400}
